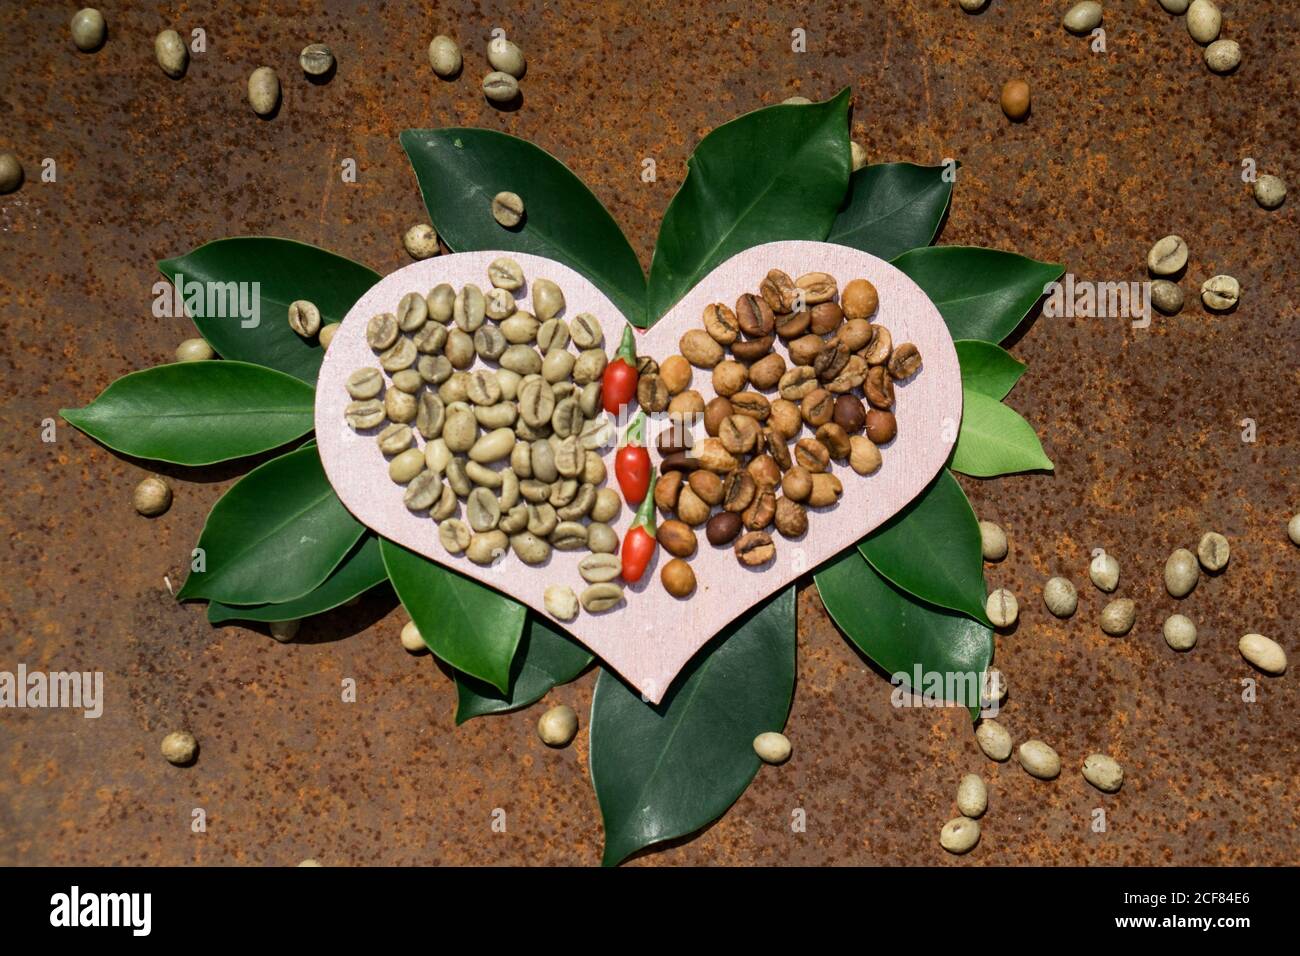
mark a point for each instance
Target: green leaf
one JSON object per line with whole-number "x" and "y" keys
{"x": 274, "y": 536}
{"x": 932, "y": 550}
{"x": 546, "y": 658}
{"x": 981, "y": 293}
{"x": 987, "y": 368}
{"x": 360, "y": 571}
{"x": 994, "y": 440}
{"x": 776, "y": 173}
{"x": 662, "y": 772}
{"x": 900, "y": 633}
{"x": 461, "y": 169}
{"x": 891, "y": 208}
{"x": 197, "y": 413}
{"x": 284, "y": 271}
{"x": 470, "y": 626}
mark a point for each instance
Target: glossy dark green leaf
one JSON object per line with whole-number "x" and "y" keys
{"x": 197, "y": 413}
{"x": 995, "y": 440}
{"x": 546, "y": 658}
{"x": 274, "y": 536}
{"x": 981, "y": 293}
{"x": 776, "y": 173}
{"x": 223, "y": 273}
{"x": 987, "y": 368}
{"x": 469, "y": 626}
{"x": 901, "y": 634}
{"x": 931, "y": 549}
{"x": 891, "y": 208}
{"x": 361, "y": 570}
{"x": 662, "y": 772}
{"x": 461, "y": 169}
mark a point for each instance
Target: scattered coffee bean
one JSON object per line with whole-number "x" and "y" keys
{"x": 972, "y": 6}
{"x": 1103, "y": 570}
{"x": 700, "y": 349}
{"x": 1265, "y": 653}
{"x": 316, "y": 59}
{"x": 88, "y": 29}
{"x": 1181, "y": 573}
{"x": 1175, "y": 6}
{"x": 1180, "y": 632}
{"x": 1270, "y": 192}
{"x": 755, "y": 548}
{"x": 507, "y": 209}
{"x": 548, "y": 301}
{"x": 993, "y": 739}
{"x": 1223, "y": 56}
{"x": 972, "y": 796}
{"x": 1015, "y": 100}
{"x": 677, "y": 538}
{"x": 264, "y": 91}
{"x": 678, "y": 578}
{"x": 1213, "y": 551}
{"x": 1103, "y": 772}
{"x": 11, "y": 173}
{"x": 993, "y": 541}
{"x": 284, "y": 631}
{"x": 1002, "y": 608}
{"x": 1221, "y": 293}
{"x": 1167, "y": 296}
{"x": 152, "y": 497}
{"x": 197, "y": 350}
{"x": 505, "y": 56}
{"x": 326, "y": 334}
{"x": 406, "y": 466}
{"x": 179, "y": 747}
{"x": 558, "y": 726}
{"x": 454, "y": 535}
{"x": 1204, "y": 21}
{"x": 444, "y": 56}
{"x": 1039, "y": 760}
{"x": 421, "y": 242}
{"x": 500, "y": 87}
{"x": 1168, "y": 256}
{"x": 487, "y": 547}
{"x": 172, "y": 54}
{"x": 904, "y": 362}
{"x": 882, "y": 427}
{"x": 394, "y": 439}
{"x": 1060, "y": 597}
{"x": 1083, "y": 17}
{"x": 826, "y": 490}
{"x": 529, "y": 548}
{"x": 560, "y": 602}
{"x": 1293, "y": 529}
{"x": 411, "y": 639}
{"x": 363, "y": 415}
{"x": 601, "y": 597}
{"x": 1118, "y": 616}
{"x": 772, "y": 747}
{"x": 959, "y": 835}
{"x": 723, "y": 528}
{"x": 304, "y": 318}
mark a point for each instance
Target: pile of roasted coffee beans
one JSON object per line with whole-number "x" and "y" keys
{"x": 833, "y": 399}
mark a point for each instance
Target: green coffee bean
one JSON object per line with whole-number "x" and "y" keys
{"x": 586, "y": 331}
{"x": 482, "y": 476}
{"x": 406, "y": 466}
{"x": 601, "y": 538}
{"x": 448, "y": 505}
{"x": 436, "y": 456}
{"x": 493, "y": 446}
{"x": 457, "y": 475}
{"x": 536, "y": 401}
{"x": 412, "y": 311}
{"x": 1060, "y": 597}
{"x": 528, "y": 432}
{"x": 172, "y": 54}
{"x": 264, "y": 91}
{"x": 994, "y": 740}
{"x": 304, "y": 318}
{"x": 1002, "y": 608}
{"x": 600, "y": 567}
{"x": 1265, "y": 653}
{"x": 569, "y": 457}
{"x": 589, "y": 400}
{"x": 316, "y": 59}
{"x": 1213, "y": 551}
{"x": 1168, "y": 256}
{"x": 430, "y": 416}
{"x": 569, "y": 536}
{"x": 364, "y": 414}
{"x": 423, "y": 491}
{"x": 1039, "y": 760}
{"x": 560, "y": 602}
{"x": 563, "y": 492}
{"x": 1083, "y": 17}
{"x": 567, "y": 418}
{"x": 514, "y": 520}
{"x": 401, "y": 355}
{"x": 552, "y": 334}
{"x": 509, "y": 496}
{"x": 460, "y": 349}
{"x": 11, "y": 173}
{"x": 1181, "y": 573}
{"x": 593, "y": 469}
{"x": 1293, "y": 529}
{"x": 430, "y": 339}
{"x": 400, "y": 406}
{"x": 420, "y": 241}
{"x": 972, "y": 796}
{"x": 589, "y": 368}
{"x": 1223, "y": 56}
{"x": 534, "y": 491}
{"x": 521, "y": 459}
{"x": 198, "y": 350}
{"x": 1118, "y": 617}
{"x": 485, "y": 548}
{"x": 483, "y": 388}
{"x": 454, "y": 535}
{"x": 434, "y": 369}
{"x": 482, "y": 509}
{"x": 365, "y": 383}
{"x": 1103, "y": 772}
{"x": 1221, "y": 293}
{"x": 521, "y": 359}
{"x": 993, "y": 541}
{"x": 520, "y": 329}
{"x": 606, "y": 506}
{"x": 408, "y": 380}
{"x": 382, "y": 331}
{"x": 460, "y": 428}
{"x": 152, "y": 497}
{"x": 394, "y": 439}
{"x": 88, "y": 30}
{"x": 505, "y": 273}
{"x": 499, "y": 304}
{"x": 455, "y": 390}
{"x": 1269, "y": 191}
{"x": 1204, "y": 21}
{"x": 542, "y": 519}
{"x": 529, "y": 548}
{"x": 596, "y": 433}
{"x": 601, "y": 597}
{"x": 959, "y": 835}
{"x": 1103, "y": 570}
{"x": 1167, "y": 296}
{"x": 580, "y": 505}
{"x": 444, "y": 56}
{"x": 509, "y": 383}
{"x": 490, "y": 343}
{"x": 547, "y": 299}
{"x": 557, "y": 366}
{"x": 1179, "y": 632}
{"x": 505, "y": 56}
{"x": 500, "y": 87}
{"x": 772, "y": 747}
{"x": 500, "y": 415}
{"x": 508, "y": 209}
{"x": 441, "y": 302}
{"x": 469, "y": 308}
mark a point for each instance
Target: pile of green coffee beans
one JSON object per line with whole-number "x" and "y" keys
{"x": 493, "y": 425}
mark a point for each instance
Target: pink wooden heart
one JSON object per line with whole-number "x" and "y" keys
{"x": 651, "y": 636}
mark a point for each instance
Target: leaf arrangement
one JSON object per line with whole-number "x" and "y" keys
{"x": 279, "y": 545}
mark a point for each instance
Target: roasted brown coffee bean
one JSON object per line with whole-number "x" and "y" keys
{"x": 700, "y": 349}
{"x": 691, "y": 508}
{"x": 881, "y": 346}
{"x": 864, "y": 457}
{"x": 710, "y": 453}
{"x": 679, "y": 461}
{"x": 738, "y": 490}
{"x": 791, "y": 518}
{"x": 720, "y": 323}
{"x": 677, "y": 538}
{"x": 853, "y": 374}
{"x": 751, "y": 350}
{"x": 767, "y": 371}
{"x": 714, "y": 412}
{"x": 645, "y": 365}
{"x": 755, "y": 548}
{"x": 676, "y": 373}
{"x": 793, "y": 325}
{"x": 754, "y": 316}
{"x": 777, "y": 448}
{"x": 826, "y": 490}
{"x": 881, "y": 426}
{"x": 855, "y": 334}
{"x": 785, "y": 419}
{"x": 675, "y": 436}
{"x": 830, "y": 361}
{"x": 816, "y": 287}
{"x": 860, "y": 299}
{"x": 729, "y": 377}
{"x": 751, "y": 404}
{"x": 761, "y": 510}
{"x": 779, "y": 291}
{"x": 836, "y": 440}
{"x": 797, "y": 483}
{"x": 817, "y": 407}
{"x": 723, "y": 528}
{"x": 667, "y": 489}
{"x": 849, "y": 414}
{"x": 652, "y": 393}
{"x": 688, "y": 404}
{"x": 707, "y": 485}
{"x": 763, "y": 469}
{"x": 382, "y": 331}
{"x": 805, "y": 349}
{"x": 738, "y": 434}
{"x": 812, "y": 455}
{"x": 879, "y": 388}
{"x": 826, "y": 318}
{"x": 905, "y": 361}
{"x": 797, "y": 383}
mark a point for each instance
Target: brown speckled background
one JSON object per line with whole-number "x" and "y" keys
{"x": 1144, "y": 426}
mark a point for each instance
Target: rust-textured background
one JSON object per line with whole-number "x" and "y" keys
{"x": 1145, "y": 427}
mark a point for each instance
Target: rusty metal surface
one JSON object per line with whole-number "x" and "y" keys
{"x": 1144, "y": 426}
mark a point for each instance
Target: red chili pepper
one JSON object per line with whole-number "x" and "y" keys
{"x": 639, "y": 543}
{"x": 632, "y": 463}
{"x": 619, "y": 384}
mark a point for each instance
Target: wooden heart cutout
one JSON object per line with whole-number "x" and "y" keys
{"x": 652, "y": 635}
